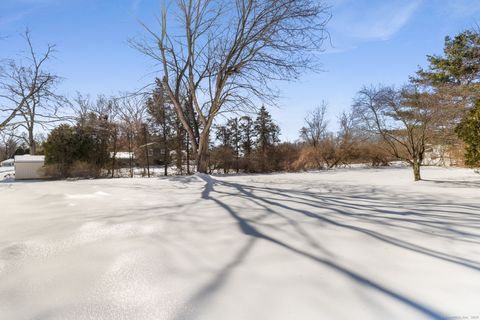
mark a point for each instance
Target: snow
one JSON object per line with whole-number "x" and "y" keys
{"x": 29, "y": 158}
{"x": 123, "y": 155}
{"x": 7, "y": 174}
{"x": 342, "y": 244}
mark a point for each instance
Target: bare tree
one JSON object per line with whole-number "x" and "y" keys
{"x": 315, "y": 126}
{"x": 26, "y": 92}
{"x": 8, "y": 144}
{"x": 132, "y": 109}
{"x": 222, "y": 55}
{"x": 348, "y": 138}
{"x": 405, "y": 119}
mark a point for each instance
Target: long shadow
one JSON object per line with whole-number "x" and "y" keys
{"x": 298, "y": 197}
{"x": 377, "y": 235}
{"x": 218, "y": 281}
{"x": 455, "y": 184}
{"x": 248, "y": 229}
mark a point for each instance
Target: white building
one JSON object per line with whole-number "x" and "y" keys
{"x": 29, "y": 167}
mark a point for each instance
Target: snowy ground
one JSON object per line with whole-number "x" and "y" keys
{"x": 7, "y": 174}
{"x": 345, "y": 244}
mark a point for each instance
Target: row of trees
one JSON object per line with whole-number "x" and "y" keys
{"x": 221, "y": 58}
{"x": 244, "y": 144}
{"x": 247, "y": 145}
{"x": 440, "y": 106}
{"x": 118, "y": 133}
{"x": 215, "y": 65}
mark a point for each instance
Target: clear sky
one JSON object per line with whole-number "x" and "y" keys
{"x": 372, "y": 41}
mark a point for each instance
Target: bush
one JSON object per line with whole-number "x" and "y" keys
{"x": 84, "y": 169}
{"x": 74, "y": 152}
{"x": 60, "y": 151}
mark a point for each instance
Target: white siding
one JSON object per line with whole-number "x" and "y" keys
{"x": 29, "y": 167}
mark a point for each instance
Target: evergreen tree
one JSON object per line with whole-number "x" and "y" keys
{"x": 224, "y": 151}
{"x": 460, "y": 64}
{"x": 266, "y": 132}
{"x": 60, "y": 148}
{"x": 94, "y": 134}
{"x": 222, "y": 134}
{"x": 246, "y": 136}
{"x": 233, "y": 129}
{"x": 455, "y": 79}
{"x": 84, "y": 146}
{"x": 469, "y": 132}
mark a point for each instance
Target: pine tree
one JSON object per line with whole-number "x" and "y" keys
{"x": 224, "y": 151}
{"x": 233, "y": 128}
{"x": 246, "y": 136}
{"x": 265, "y": 129}
{"x": 266, "y": 132}
{"x": 455, "y": 79}
{"x": 469, "y": 132}
{"x": 460, "y": 64}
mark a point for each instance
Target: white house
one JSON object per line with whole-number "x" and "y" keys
{"x": 29, "y": 167}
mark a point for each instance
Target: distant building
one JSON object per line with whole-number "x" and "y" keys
{"x": 29, "y": 167}
{"x": 124, "y": 158}
{"x": 437, "y": 155}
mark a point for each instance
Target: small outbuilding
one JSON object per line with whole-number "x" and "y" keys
{"x": 29, "y": 167}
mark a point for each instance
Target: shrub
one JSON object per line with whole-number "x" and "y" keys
{"x": 74, "y": 152}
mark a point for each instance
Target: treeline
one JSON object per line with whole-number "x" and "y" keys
{"x": 133, "y": 134}
{"x": 165, "y": 131}
{"x": 435, "y": 115}
{"x": 252, "y": 145}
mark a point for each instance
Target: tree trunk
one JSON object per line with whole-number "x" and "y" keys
{"x": 202, "y": 152}
{"x": 179, "y": 148}
{"x": 165, "y": 148}
{"x": 31, "y": 142}
{"x": 165, "y": 155}
{"x": 114, "y": 150}
{"x": 130, "y": 157}
{"x": 237, "y": 158}
{"x": 148, "y": 161}
{"x": 188, "y": 156}
{"x": 416, "y": 170}
{"x": 145, "y": 132}
{"x": 202, "y": 161}
{"x": 202, "y": 155}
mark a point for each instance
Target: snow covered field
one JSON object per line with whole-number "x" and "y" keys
{"x": 344, "y": 244}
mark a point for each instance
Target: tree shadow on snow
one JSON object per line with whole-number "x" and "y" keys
{"x": 342, "y": 210}
{"x": 455, "y": 183}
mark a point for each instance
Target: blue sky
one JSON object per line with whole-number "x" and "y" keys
{"x": 372, "y": 42}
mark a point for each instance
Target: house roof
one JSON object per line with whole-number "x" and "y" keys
{"x": 28, "y": 158}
